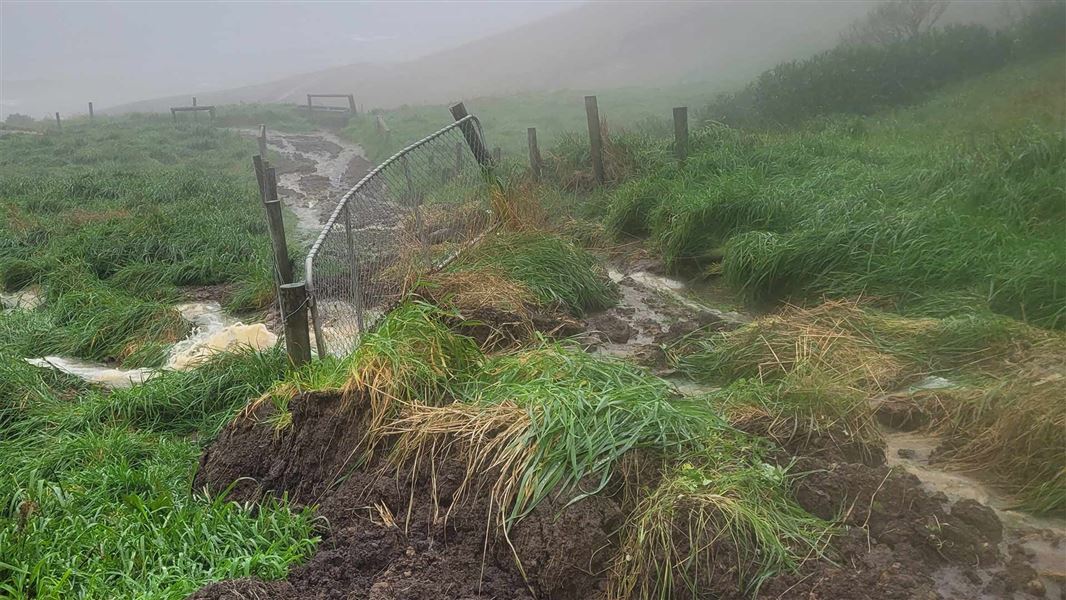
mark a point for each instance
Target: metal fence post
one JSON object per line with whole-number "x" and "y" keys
{"x": 592, "y": 112}
{"x": 353, "y": 270}
{"x": 294, "y": 316}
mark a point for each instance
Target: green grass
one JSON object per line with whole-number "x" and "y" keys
{"x": 556, "y": 271}
{"x": 556, "y": 115}
{"x": 111, "y": 218}
{"x": 555, "y": 421}
{"x": 921, "y": 206}
{"x": 95, "y": 497}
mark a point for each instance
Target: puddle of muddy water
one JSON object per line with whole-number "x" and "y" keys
{"x": 213, "y": 331}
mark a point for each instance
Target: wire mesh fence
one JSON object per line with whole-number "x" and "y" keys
{"x": 406, "y": 218}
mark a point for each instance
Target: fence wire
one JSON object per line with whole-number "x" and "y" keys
{"x": 404, "y": 219}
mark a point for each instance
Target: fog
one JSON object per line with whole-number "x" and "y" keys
{"x": 146, "y": 56}
{"x": 58, "y": 56}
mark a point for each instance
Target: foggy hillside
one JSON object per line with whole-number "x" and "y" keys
{"x": 596, "y": 45}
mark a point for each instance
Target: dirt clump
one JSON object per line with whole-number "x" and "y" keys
{"x": 398, "y": 533}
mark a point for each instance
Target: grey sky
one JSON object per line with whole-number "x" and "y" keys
{"x": 121, "y": 51}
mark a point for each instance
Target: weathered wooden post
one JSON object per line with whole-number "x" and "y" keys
{"x": 534, "y": 153}
{"x": 268, "y": 190}
{"x": 681, "y": 133}
{"x": 59, "y": 124}
{"x": 595, "y": 138}
{"x": 262, "y": 139}
{"x": 351, "y": 103}
{"x": 195, "y": 115}
{"x": 309, "y": 104}
{"x": 472, "y": 135}
{"x": 174, "y": 116}
{"x": 194, "y": 101}
{"x": 90, "y": 111}
{"x": 294, "y": 316}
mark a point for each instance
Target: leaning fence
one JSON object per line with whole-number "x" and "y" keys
{"x": 406, "y": 218}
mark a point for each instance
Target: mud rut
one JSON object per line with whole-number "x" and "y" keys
{"x": 914, "y": 531}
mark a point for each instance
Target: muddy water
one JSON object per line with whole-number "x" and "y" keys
{"x": 1042, "y": 540}
{"x": 212, "y": 332}
{"x": 653, "y": 306}
{"x": 24, "y": 299}
{"x": 655, "y": 311}
{"x": 318, "y": 169}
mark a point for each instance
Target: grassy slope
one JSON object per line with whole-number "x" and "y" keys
{"x": 110, "y": 217}
{"x": 506, "y": 119}
{"x": 954, "y": 204}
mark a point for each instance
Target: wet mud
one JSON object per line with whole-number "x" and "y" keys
{"x": 313, "y": 174}
{"x": 902, "y": 531}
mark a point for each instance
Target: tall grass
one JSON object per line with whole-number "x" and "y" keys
{"x": 911, "y": 206}
{"x": 554, "y": 270}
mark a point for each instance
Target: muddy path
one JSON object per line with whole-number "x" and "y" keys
{"x": 314, "y": 172}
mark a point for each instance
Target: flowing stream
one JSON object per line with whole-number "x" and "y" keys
{"x": 318, "y": 168}
{"x": 213, "y": 331}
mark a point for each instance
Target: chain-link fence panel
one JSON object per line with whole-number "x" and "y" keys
{"x": 406, "y": 218}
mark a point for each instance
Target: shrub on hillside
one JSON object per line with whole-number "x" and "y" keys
{"x": 861, "y": 79}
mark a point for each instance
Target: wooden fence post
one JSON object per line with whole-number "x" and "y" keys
{"x": 262, "y": 139}
{"x": 534, "y": 153}
{"x": 681, "y": 133}
{"x": 294, "y": 315}
{"x": 174, "y": 116}
{"x": 309, "y": 109}
{"x": 351, "y": 103}
{"x": 90, "y": 111}
{"x": 59, "y": 124}
{"x": 472, "y": 135}
{"x": 268, "y": 191}
{"x": 595, "y": 138}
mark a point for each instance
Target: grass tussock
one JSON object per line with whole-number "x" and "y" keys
{"x": 1011, "y": 430}
{"x": 950, "y": 207}
{"x": 716, "y": 520}
{"x": 550, "y": 421}
{"x": 557, "y": 272}
{"x": 822, "y": 368}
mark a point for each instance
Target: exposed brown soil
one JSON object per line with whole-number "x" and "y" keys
{"x": 397, "y": 534}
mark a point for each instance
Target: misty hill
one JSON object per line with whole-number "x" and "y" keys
{"x": 595, "y": 45}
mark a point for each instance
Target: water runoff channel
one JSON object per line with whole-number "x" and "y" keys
{"x": 316, "y": 168}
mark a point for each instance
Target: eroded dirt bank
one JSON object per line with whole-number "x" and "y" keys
{"x": 395, "y": 532}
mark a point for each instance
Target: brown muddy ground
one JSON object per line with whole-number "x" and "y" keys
{"x": 392, "y": 534}
{"x": 396, "y": 534}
